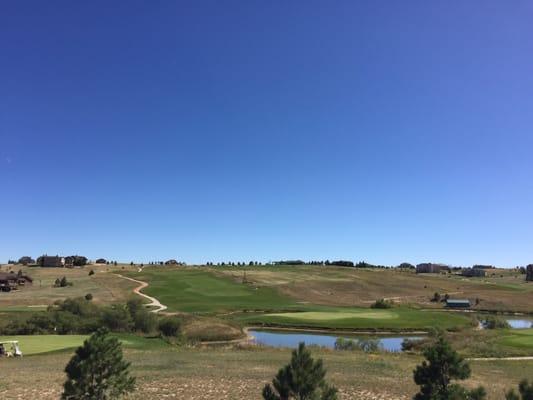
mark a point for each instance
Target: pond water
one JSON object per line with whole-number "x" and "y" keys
{"x": 517, "y": 323}
{"x": 292, "y": 339}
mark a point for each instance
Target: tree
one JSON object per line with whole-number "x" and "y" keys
{"x": 524, "y": 388}
{"x": 302, "y": 379}
{"x": 63, "y": 282}
{"x": 169, "y": 326}
{"x": 435, "y": 375}
{"x": 97, "y": 370}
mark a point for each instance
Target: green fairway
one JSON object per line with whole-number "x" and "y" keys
{"x": 202, "y": 291}
{"x": 37, "y": 344}
{"x": 520, "y": 338}
{"x": 361, "y": 318}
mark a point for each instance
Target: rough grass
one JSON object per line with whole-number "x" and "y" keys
{"x": 230, "y": 374}
{"x": 105, "y": 287}
{"x": 505, "y": 291}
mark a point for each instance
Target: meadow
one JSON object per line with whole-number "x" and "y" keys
{"x": 239, "y": 373}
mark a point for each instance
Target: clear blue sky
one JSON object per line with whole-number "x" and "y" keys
{"x": 382, "y": 131}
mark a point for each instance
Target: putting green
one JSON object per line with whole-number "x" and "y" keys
{"x": 332, "y": 316}
{"x": 45, "y": 343}
{"x": 38, "y": 344}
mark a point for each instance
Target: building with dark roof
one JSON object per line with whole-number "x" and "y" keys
{"x": 458, "y": 303}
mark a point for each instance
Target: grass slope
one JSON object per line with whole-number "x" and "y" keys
{"x": 199, "y": 290}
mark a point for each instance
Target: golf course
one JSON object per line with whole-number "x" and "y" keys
{"x": 217, "y": 306}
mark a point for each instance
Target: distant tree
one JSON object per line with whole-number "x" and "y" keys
{"x": 169, "y": 326}
{"x": 115, "y": 263}
{"x": 63, "y": 282}
{"x": 302, "y": 379}
{"x": 57, "y": 282}
{"x": 436, "y": 297}
{"x": 88, "y": 297}
{"x": 91, "y": 272}
{"x": 382, "y": 303}
{"x": 97, "y": 371}
{"x": 117, "y": 319}
{"x": 435, "y": 375}
{"x": 131, "y": 263}
{"x": 525, "y": 392}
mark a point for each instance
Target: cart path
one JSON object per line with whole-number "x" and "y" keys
{"x": 153, "y": 301}
{"x": 526, "y": 358}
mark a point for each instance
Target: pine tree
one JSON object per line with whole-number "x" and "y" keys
{"x": 97, "y": 370}
{"x": 302, "y": 379}
{"x": 524, "y": 388}
{"x": 435, "y": 375}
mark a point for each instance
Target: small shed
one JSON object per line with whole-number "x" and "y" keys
{"x": 456, "y": 303}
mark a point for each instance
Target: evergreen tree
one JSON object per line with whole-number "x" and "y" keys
{"x": 97, "y": 370}
{"x": 302, "y": 379}
{"x": 435, "y": 375}
{"x": 524, "y": 388}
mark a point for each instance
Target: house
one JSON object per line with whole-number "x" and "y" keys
{"x": 479, "y": 266}
{"x": 455, "y": 303}
{"x": 529, "y": 273}
{"x": 430, "y": 268}
{"x": 473, "y": 272}
{"x": 51, "y": 261}
{"x": 10, "y": 281}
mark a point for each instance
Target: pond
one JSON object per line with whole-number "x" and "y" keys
{"x": 514, "y": 323}
{"x": 291, "y": 339}
{"x": 517, "y": 323}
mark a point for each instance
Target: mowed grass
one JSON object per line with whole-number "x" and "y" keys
{"x": 202, "y": 291}
{"x": 400, "y": 318}
{"x": 38, "y": 344}
{"x": 519, "y": 338}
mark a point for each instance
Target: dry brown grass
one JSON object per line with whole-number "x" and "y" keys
{"x": 104, "y": 286}
{"x": 361, "y": 287}
{"x": 224, "y": 373}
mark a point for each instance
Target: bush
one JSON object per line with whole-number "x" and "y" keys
{"x": 169, "y": 326}
{"x": 91, "y": 272}
{"x": 368, "y": 345}
{"x": 493, "y": 322}
{"x": 88, "y": 297}
{"x": 117, "y": 319}
{"x": 382, "y": 303}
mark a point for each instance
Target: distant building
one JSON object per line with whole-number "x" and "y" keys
{"x": 458, "y": 303}
{"x": 51, "y": 261}
{"x": 430, "y": 268}
{"x": 473, "y": 272}
{"x": 10, "y": 281}
{"x": 529, "y": 273}
{"x": 101, "y": 261}
{"x": 171, "y": 262}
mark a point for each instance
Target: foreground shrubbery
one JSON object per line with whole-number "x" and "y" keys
{"x": 81, "y": 315}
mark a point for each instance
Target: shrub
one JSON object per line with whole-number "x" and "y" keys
{"x": 493, "y": 322}
{"x": 88, "y": 297}
{"x": 382, "y": 303}
{"x": 169, "y": 326}
{"x": 91, "y": 272}
{"x": 117, "y": 319}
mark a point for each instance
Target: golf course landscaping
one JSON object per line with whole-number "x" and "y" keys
{"x": 213, "y": 359}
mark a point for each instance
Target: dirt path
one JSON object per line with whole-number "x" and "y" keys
{"x": 153, "y": 301}
{"x": 526, "y": 358}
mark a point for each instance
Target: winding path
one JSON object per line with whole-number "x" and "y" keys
{"x": 153, "y": 301}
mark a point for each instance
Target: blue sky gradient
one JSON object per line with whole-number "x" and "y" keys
{"x": 235, "y": 130}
